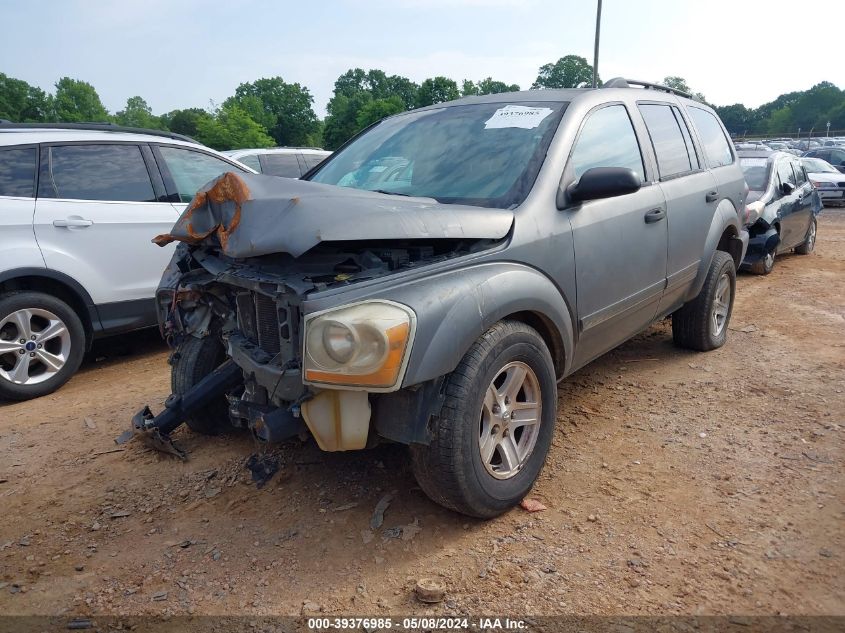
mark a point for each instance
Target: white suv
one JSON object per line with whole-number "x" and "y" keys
{"x": 79, "y": 205}
{"x": 290, "y": 162}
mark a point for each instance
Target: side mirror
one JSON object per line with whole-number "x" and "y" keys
{"x": 604, "y": 182}
{"x": 787, "y": 188}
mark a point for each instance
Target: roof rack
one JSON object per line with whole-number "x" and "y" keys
{"x": 622, "y": 82}
{"x": 93, "y": 126}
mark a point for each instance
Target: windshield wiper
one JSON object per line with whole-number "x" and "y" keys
{"x": 392, "y": 193}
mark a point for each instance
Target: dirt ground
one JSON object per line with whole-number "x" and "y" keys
{"x": 678, "y": 483}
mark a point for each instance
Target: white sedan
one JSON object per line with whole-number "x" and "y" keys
{"x": 829, "y": 182}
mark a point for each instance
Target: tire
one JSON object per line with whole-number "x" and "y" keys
{"x": 695, "y": 326}
{"x": 764, "y": 265}
{"x": 810, "y": 242}
{"x": 451, "y": 470}
{"x": 193, "y": 360}
{"x": 56, "y": 336}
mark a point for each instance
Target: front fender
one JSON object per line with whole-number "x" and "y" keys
{"x": 724, "y": 217}
{"x": 457, "y": 306}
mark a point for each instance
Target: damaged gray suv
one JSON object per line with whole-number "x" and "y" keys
{"x": 431, "y": 282}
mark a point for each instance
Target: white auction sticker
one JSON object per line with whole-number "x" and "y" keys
{"x": 517, "y": 116}
{"x": 753, "y": 162}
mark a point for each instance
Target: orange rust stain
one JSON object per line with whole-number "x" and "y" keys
{"x": 229, "y": 187}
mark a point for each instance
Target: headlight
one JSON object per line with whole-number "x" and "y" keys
{"x": 361, "y": 345}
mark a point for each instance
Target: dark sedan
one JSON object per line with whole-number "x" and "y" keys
{"x": 833, "y": 155}
{"x": 782, "y": 204}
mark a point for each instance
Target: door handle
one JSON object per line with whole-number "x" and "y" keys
{"x": 72, "y": 223}
{"x": 711, "y": 196}
{"x": 655, "y": 215}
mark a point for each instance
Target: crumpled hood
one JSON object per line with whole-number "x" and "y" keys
{"x": 253, "y": 215}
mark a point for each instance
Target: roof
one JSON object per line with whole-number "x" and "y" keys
{"x": 21, "y": 136}
{"x": 757, "y": 153}
{"x": 277, "y": 150}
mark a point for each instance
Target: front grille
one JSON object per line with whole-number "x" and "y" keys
{"x": 266, "y": 323}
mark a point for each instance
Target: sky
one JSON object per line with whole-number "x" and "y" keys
{"x": 189, "y": 53}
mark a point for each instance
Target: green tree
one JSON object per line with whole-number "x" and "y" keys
{"x": 77, "y": 101}
{"x": 437, "y": 90}
{"x": 679, "y": 83}
{"x": 487, "y": 86}
{"x": 357, "y": 89}
{"x": 567, "y": 72}
{"x": 230, "y": 127}
{"x": 780, "y": 122}
{"x": 184, "y": 121}
{"x": 138, "y": 114}
{"x": 737, "y": 118}
{"x": 377, "y": 109}
{"x": 284, "y": 109}
{"x": 341, "y": 124}
{"x": 20, "y": 102}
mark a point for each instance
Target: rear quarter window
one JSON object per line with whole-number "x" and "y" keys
{"x": 717, "y": 149}
{"x": 17, "y": 172}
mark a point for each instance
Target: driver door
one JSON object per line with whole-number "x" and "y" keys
{"x": 620, "y": 243}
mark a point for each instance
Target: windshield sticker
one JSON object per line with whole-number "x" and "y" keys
{"x": 523, "y": 117}
{"x": 753, "y": 162}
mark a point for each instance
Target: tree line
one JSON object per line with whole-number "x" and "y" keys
{"x": 272, "y": 112}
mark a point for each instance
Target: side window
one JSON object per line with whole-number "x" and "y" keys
{"x": 282, "y": 165}
{"x": 716, "y": 146}
{"x": 837, "y": 157}
{"x": 785, "y": 173}
{"x": 607, "y": 140}
{"x": 693, "y": 155}
{"x": 17, "y": 172}
{"x": 312, "y": 160}
{"x": 98, "y": 172}
{"x": 192, "y": 170}
{"x": 800, "y": 176}
{"x": 251, "y": 160}
{"x": 667, "y": 140}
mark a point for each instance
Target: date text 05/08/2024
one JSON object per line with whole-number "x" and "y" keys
{"x": 487, "y": 624}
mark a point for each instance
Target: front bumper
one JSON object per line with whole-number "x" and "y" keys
{"x": 760, "y": 243}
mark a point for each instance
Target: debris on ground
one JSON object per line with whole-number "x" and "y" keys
{"x": 378, "y": 514}
{"x": 532, "y": 505}
{"x": 262, "y": 467}
{"x": 430, "y": 590}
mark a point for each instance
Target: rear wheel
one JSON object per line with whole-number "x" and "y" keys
{"x": 810, "y": 243}
{"x": 193, "y": 360}
{"x": 702, "y": 324}
{"x": 42, "y": 342}
{"x": 494, "y": 429}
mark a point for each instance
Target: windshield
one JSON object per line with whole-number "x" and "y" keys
{"x": 485, "y": 154}
{"x": 818, "y": 166}
{"x": 756, "y": 171}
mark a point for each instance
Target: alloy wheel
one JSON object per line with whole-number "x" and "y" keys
{"x": 510, "y": 420}
{"x": 34, "y": 346}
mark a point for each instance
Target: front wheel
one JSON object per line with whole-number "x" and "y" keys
{"x": 193, "y": 360}
{"x": 810, "y": 242}
{"x": 702, "y": 324}
{"x": 42, "y": 341}
{"x": 495, "y": 427}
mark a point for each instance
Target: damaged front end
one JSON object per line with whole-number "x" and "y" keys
{"x": 252, "y": 249}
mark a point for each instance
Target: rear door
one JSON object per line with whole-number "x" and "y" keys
{"x": 688, "y": 188}
{"x": 620, "y": 242}
{"x": 18, "y": 172}
{"x": 99, "y": 206}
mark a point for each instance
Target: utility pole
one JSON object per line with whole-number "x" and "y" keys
{"x": 596, "y": 47}
{"x": 828, "y": 129}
